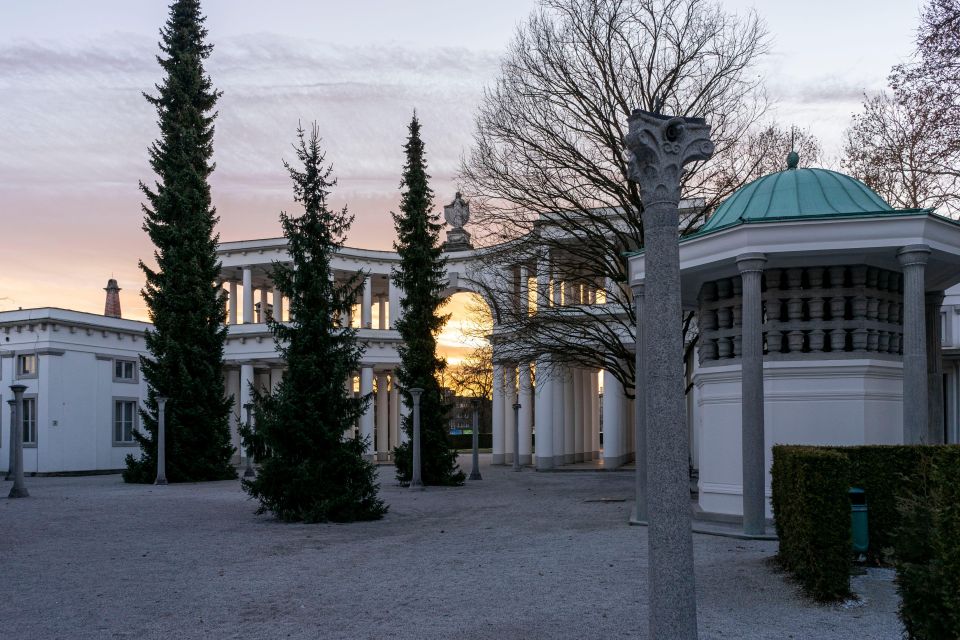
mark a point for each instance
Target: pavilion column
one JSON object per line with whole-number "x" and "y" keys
{"x": 349, "y": 433}
{"x": 579, "y": 426}
{"x": 247, "y": 295}
{"x": 913, "y": 259}
{"x": 246, "y": 396}
{"x": 277, "y": 304}
{"x": 639, "y": 410}
{"x": 393, "y": 295}
{"x": 276, "y": 377}
{"x": 366, "y": 420}
{"x": 497, "y": 412}
{"x": 366, "y": 304}
{"x": 569, "y": 418}
{"x": 381, "y": 313}
{"x": 558, "y": 418}
{"x": 382, "y": 417}
{"x": 394, "y": 426}
{"x": 751, "y": 376}
{"x": 404, "y": 411}
{"x": 595, "y": 415}
{"x": 934, "y": 300}
{"x": 263, "y": 306}
{"x": 544, "y": 415}
{"x": 526, "y": 414}
{"x": 612, "y": 421}
{"x": 509, "y": 399}
{"x": 233, "y": 302}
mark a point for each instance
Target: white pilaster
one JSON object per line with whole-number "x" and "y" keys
{"x": 247, "y": 295}
{"x": 366, "y": 420}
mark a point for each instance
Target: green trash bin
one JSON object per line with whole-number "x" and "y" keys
{"x": 858, "y": 520}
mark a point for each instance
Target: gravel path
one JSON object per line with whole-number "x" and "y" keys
{"x": 531, "y": 555}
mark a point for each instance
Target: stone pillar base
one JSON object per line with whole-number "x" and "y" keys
{"x": 579, "y": 457}
{"x": 498, "y": 458}
{"x": 544, "y": 464}
{"x": 526, "y": 458}
{"x": 616, "y": 461}
{"x": 383, "y": 456}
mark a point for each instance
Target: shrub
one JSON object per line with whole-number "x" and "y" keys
{"x": 812, "y": 514}
{"x": 927, "y": 548}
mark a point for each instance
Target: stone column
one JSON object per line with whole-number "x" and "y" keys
{"x": 558, "y": 418}
{"x": 277, "y": 304}
{"x": 233, "y": 306}
{"x": 595, "y": 415}
{"x": 658, "y": 147}
{"x": 381, "y": 313}
{"x": 276, "y": 376}
{"x": 393, "y": 293}
{"x": 612, "y": 421}
{"x": 509, "y": 399}
{"x": 247, "y": 295}
{"x": 366, "y": 305}
{"x": 366, "y": 420}
{"x": 569, "y": 418}
{"x": 751, "y": 380}
{"x": 246, "y": 396}
{"x": 544, "y": 415}
{"x": 916, "y": 394}
{"x": 382, "y": 417}
{"x": 394, "y": 426}
{"x": 934, "y": 337}
{"x": 579, "y": 427}
{"x": 523, "y": 295}
{"x": 263, "y": 305}
{"x": 497, "y": 413}
{"x": 639, "y": 411}
{"x": 526, "y": 414}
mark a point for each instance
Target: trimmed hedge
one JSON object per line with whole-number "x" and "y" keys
{"x": 812, "y": 514}
{"x": 927, "y": 548}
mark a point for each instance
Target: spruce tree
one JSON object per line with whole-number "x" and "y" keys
{"x": 421, "y": 276}
{"x": 308, "y": 470}
{"x": 185, "y": 361}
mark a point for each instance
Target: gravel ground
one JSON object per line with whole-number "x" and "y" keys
{"x": 531, "y": 555}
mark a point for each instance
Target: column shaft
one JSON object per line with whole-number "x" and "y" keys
{"x": 366, "y": 420}
{"x": 509, "y": 399}
{"x": 936, "y": 433}
{"x": 915, "y": 383}
{"x": 612, "y": 421}
{"x": 394, "y": 438}
{"x": 246, "y": 396}
{"x": 752, "y": 422}
{"x": 366, "y": 305}
{"x": 497, "y": 411}
{"x": 393, "y": 293}
{"x": 233, "y": 302}
{"x": 526, "y": 414}
{"x": 382, "y": 417}
{"x": 569, "y": 418}
{"x": 579, "y": 425}
{"x": 639, "y": 409}
{"x": 559, "y": 420}
{"x": 544, "y": 415}
{"x": 277, "y": 304}
{"x": 264, "y": 307}
{"x": 247, "y": 295}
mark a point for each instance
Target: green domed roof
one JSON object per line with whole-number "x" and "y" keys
{"x": 796, "y": 194}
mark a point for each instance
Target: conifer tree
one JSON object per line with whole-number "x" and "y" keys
{"x": 185, "y": 361}
{"x": 421, "y": 277}
{"x": 308, "y": 470}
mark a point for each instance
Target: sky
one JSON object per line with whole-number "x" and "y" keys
{"x": 74, "y": 127}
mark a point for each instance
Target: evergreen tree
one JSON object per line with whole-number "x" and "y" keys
{"x": 421, "y": 277}
{"x": 185, "y": 305}
{"x": 308, "y": 471}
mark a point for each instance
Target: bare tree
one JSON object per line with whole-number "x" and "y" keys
{"x": 906, "y": 144}
{"x": 547, "y": 176}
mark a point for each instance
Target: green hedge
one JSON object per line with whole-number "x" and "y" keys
{"x": 884, "y": 472}
{"x": 812, "y": 514}
{"x": 927, "y": 548}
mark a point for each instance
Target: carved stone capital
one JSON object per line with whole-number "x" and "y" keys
{"x": 658, "y": 147}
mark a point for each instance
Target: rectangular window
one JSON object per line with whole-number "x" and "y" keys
{"x": 124, "y": 421}
{"x": 26, "y": 365}
{"x": 124, "y": 371}
{"x": 29, "y": 421}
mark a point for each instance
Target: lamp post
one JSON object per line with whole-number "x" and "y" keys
{"x": 13, "y": 414}
{"x": 516, "y": 437}
{"x": 161, "y": 441}
{"x": 18, "y": 490}
{"x": 475, "y": 472}
{"x": 415, "y": 481}
{"x": 249, "y": 472}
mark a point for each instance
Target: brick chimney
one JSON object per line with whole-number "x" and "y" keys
{"x": 112, "y": 306}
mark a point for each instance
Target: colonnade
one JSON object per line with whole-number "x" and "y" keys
{"x": 380, "y": 423}
{"x": 257, "y": 302}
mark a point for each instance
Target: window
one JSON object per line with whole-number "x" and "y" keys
{"x": 124, "y": 421}
{"x": 29, "y": 421}
{"x": 26, "y": 365}
{"x": 124, "y": 371}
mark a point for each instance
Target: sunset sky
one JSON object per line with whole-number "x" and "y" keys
{"x": 74, "y": 127}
